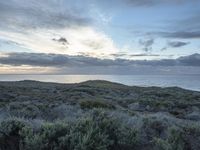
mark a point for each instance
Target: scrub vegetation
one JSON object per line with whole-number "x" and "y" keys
{"x": 97, "y": 115}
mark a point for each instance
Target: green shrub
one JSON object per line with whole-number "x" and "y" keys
{"x": 121, "y": 136}
{"x": 98, "y": 131}
{"x": 86, "y": 135}
{"x": 174, "y": 141}
{"x": 192, "y": 136}
{"x": 24, "y": 110}
{"x": 10, "y": 134}
{"x": 129, "y": 137}
{"x": 154, "y": 128}
{"x": 161, "y": 144}
{"x": 89, "y": 104}
{"x": 46, "y": 138}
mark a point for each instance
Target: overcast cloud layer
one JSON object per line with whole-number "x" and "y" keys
{"x": 65, "y": 64}
{"x": 53, "y": 60}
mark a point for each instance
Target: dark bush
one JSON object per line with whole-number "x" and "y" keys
{"x": 89, "y": 104}
{"x": 10, "y": 138}
{"x": 186, "y": 138}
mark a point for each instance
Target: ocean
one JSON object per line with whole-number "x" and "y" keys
{"x": 191, "y": 82}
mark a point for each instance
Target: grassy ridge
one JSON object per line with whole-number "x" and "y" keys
{"x": 97, "y": 115}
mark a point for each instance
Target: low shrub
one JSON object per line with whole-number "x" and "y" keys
{"x": 46, "y": 138}
{"x": 24, "y": 110}
{"x": 10, "y": 138}
{"x": 98, "y": 131}
{"x": 186, "y": 138}
{"x": 89, "y": 104}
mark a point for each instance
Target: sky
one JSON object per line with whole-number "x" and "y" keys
{"x": 99, "y": 37}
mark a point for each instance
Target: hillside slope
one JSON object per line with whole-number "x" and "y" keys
{"x": 146, "y": 117}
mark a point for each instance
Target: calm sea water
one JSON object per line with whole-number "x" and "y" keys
{"x": 191, "y": 82}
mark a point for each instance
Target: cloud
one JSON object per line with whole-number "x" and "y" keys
{"x": 40, "y": 63}
{"x": 181, "y": 34}
{"x": 96, "y": 45}
{"x": 93, "y": 41}
{"x": 143, "y": 54}
{"x": 142, "y": 3}
{"x": 192, "y": 60}
{"x": 178, "y": 27}
{"x": 51, "y": 60}
{"x": 177, "y": 44}
{"x": 53, "y": 26}
{"x": 117, "y": 55}
{"x": 58, "y": 60}
{"x": 69, "y": 23}
{"x": 61, "y": 40}
{"x": 174, "y": 44}
{"x": 9, "y": 42}
{"x": 75, "y": 25}
{"x": 150, "y": 2}
{"x": 147, "y": 44}
{"x": 130, "y": 3}
{"x": 182, "y": 28}
{"x": 41, "y": 14}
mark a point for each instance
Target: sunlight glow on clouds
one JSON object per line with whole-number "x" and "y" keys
{"x": 25, "y": 69}
{"x": 81, "y": 39}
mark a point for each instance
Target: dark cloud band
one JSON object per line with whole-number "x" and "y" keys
{"x": 56, "y": 60}
{"x": 181, "y": 34}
